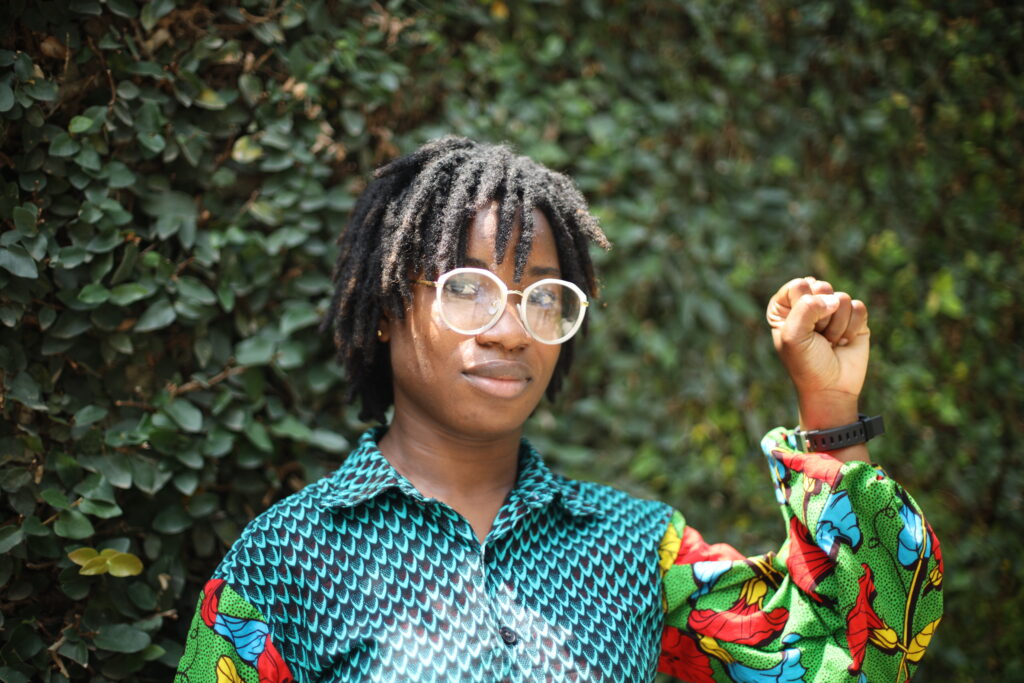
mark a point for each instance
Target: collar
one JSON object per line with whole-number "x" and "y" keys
{"x": 366, "y": 473}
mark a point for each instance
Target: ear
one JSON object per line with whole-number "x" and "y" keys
{"x": 384, "y": 330}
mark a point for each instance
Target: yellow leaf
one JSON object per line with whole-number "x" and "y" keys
{"x": 884, "y": 638}
{"x": 97, "y": 565}
{"x": 935, "y": 577}
{"x": 124, "y": 564}
{"x": 668, "y": 550}
{"x": 711, "y": 646}
{"x": 82, "y": 555}
{"x": 245, "y": 150}
{"x": 210, "y": 99}
{"x": 753, "y": 591}
{"x": 920, "y": 642}
{"x": 226, "y": 671}
{"x": 499, "y": 11}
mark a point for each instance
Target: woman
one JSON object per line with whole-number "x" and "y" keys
{"x": 444, "y": 549}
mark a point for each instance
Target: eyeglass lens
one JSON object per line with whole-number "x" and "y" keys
{"x": 472, "y": 301}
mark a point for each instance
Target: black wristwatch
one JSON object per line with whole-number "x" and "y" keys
{"x": 840, "y": 437}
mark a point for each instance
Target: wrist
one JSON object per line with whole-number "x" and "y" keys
{"x": 845, "y": 442}
{"x": 825, "y": 411}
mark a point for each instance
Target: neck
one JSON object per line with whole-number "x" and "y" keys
{"x": 457, "y": 469}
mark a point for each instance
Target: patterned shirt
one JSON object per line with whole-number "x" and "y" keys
{"x": 359, "y": 577}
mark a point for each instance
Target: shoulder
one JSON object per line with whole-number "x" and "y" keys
{"x": 614, "y": 507}
{"x": 361, "y": 475}
{"x": 280, "y": 526}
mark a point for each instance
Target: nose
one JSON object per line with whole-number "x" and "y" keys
{"x": 509, "y": 332}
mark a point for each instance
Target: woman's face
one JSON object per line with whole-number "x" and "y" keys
{"x": 483, "y": 385}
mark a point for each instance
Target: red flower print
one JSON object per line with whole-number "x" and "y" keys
{"x": 745, "y": 622}
{"x": 682, "y": 658}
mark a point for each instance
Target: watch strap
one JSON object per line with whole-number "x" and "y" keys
{"x": 835, "y": 438}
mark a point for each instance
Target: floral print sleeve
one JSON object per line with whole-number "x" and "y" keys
{"x": 229, "y": 642}
{"x": 854, "y": 594}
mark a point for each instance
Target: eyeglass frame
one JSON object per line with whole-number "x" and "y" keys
{"x": 438, "y": 284}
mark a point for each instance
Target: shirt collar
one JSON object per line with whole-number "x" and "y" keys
{"x": 366, "y": 473}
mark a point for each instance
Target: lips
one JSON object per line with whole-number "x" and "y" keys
{"x": 499, "y": 378}
{"x": 501, "y": 369}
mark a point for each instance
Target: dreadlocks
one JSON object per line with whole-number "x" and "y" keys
{"x": 413, "y": 218}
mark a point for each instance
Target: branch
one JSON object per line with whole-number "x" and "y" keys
{"x": 195, "y": 385}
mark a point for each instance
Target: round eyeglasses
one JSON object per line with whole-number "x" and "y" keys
{"x": 472, "y": 300}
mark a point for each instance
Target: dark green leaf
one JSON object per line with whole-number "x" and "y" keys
{"x": 16, "y": 261}
{"x": 251, "y": 88}
{"x": 254, "y": 351}
{"x": 116, "y": 468}
{"x": 101, "y": 509}
{"x": 63, "y": 145}
{"x": 149, "y": 476}
{"x": 159, "y": 315}
{"x": 88, "y": 159}
{"x": 119, "y": 175}
{"x": 154, "y": 11}
{"x": 142, "y": 595}
{"x": 329, "y": 441}
{"x": 9, "y": 675}
{"x": 121, "y": 638}
{"x": 185, "y": 415}
{"x": 75, "y": 650}
{"x": 172, "y": 520}
{"x": 34, "y": 527}
{"x": 194, "y": 289}
{"x": 73, "y": 524}
{"x": 126, "y": 89}
{"x": 24, "y": 389}
{"x": 218, "y": 443}
{"x": 25, "y": 218}
{"x": 258, "y": 436}
{"x": 130, "y": 292}
{"x": 353, "y": 122}
{"x": 55, "y": 498}
{"x": 94, "y": 293}
{"x": 6, "y": 98}
{"x": 154, "y": 142}
{"x": 186, "y": 482}
{"x": 123, "y": 8}
{"x": 10, "y": 536}
{"x": 69, "y": 325}
{"x": 290, "y": 427}
{"x": 297, "y": 315}
{"x": 79, "y": 124}
{"x": 87, "y": 415}
{"x": 95, "y": 487}
{"x": 86, "y": 7}
{"x": 43, "y": 90}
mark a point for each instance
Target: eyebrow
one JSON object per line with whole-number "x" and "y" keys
{"x": 535, "y": 271}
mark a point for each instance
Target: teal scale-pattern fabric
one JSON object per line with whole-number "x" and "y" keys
{"x": 363, "y": 579}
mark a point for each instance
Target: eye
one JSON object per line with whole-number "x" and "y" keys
{"x": 462, "y": 288}
{"x": 543, "y": 298}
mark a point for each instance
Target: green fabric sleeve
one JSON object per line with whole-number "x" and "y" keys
{"x": 229, "y": 642}
{"x": 854, "y": 594}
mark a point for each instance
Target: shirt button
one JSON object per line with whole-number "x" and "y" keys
{"x": 508, "y": 635}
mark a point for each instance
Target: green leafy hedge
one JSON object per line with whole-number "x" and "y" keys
{"x": 174, "y": 175}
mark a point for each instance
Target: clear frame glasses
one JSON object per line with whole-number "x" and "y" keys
{"x": 472, "y": 300}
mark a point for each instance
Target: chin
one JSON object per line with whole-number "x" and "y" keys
{"x": 494, "y": 419}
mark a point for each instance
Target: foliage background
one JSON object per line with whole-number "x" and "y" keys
{"x": 174, "y": 174}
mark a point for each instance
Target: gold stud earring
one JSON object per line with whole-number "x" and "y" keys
{"x": 379, "y": 334}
